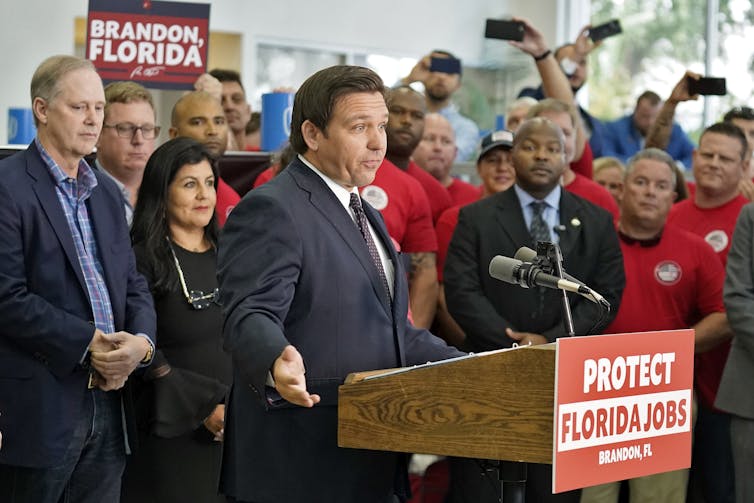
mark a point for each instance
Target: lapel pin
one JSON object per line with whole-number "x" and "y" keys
{"x": 575, "y": 222}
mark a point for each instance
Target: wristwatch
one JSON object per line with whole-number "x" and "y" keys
{"x": 568, "y": 66}
{"x": 148, "y": 357}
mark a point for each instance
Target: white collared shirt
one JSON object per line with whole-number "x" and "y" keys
{"x": 344, "y": 196}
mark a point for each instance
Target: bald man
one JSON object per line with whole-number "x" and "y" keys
{"x": 435, "y": 154}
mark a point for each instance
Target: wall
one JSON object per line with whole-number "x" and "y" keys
{"x": 393, "y": 27}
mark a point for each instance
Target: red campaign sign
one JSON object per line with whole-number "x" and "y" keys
{"x": 156, "y": 50}
{"x": 622, "y": 407}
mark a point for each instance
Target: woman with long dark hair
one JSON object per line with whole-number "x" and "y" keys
{"x": 180, "y": 398}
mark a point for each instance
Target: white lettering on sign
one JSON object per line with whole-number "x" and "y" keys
{"x": 624, "y": 419}
{"x": 145, "y": 43}
{"x": 639, "y": 370}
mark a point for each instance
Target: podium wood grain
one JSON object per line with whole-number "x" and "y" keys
{"x": 494, "y": 406}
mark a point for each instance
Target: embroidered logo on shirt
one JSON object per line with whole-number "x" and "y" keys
{"x": 717, "y": 239}
{"x": 375, "y": 196}
{"x": 668, "y": 272}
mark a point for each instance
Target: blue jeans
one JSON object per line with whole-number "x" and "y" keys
{"x": 91, "y": 468}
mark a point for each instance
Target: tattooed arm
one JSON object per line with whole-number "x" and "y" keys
{"x": 423, "y": 288}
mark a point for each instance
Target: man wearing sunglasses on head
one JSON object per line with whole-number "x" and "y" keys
{"x": 127, "y": 139}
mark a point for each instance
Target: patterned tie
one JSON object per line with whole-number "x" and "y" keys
{"x": 539, "y": 230}
{"x": 361, "y": 220}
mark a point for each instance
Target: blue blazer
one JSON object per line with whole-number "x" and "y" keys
{"x": 44, "y": 306}
{"x": 294, "y": 269}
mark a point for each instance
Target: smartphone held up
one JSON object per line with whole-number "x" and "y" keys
{"x": 504, "y": 30}
{"x": 706, "y": 86}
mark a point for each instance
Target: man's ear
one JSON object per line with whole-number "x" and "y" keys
{"x": 312, "y": 135}
{"x": 39, "y": 107}
{"x": 173, "y": 132}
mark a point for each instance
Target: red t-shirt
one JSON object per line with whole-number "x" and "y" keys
{"x": 669, "y": 286}
{"x": 584, "y": 166}
{"x": 691, "y": 188}
{"x": 462, "y": 192}
{"x": 439, "y": 198}
{"x": 594, "y": 193}
{"x": 227, "y": 199}
{"x": 404, "y": 206}
{"x": 715, "y": 226}
{"x": 264, "y": 177}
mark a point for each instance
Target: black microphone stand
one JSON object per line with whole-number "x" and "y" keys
{"x": 555, "y": 257}
{"x": 512, "y": 474}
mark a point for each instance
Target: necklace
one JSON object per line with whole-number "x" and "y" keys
{"x": 196, "y": 298}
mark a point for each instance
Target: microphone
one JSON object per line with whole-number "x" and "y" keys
{"x": 526, "y": 254}
{"x": 526, "y": 274}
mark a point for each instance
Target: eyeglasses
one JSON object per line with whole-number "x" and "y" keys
{"x": 128, "y": 130}
{"x": 196, "y": 298}
{"x": 200, "y": 300}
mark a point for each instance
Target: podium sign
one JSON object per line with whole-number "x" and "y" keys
{"x": 622, "y": 407}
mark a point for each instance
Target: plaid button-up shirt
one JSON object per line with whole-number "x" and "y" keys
{"x": 72, "y": 194}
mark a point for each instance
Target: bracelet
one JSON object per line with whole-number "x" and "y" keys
{"x": 543, "y": 55}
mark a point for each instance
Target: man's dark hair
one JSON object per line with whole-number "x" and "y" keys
{"x": 227, "y": 76}
{"x": 652, "y": 97}
{"x": 317, "y": 96}
{"x": 743, "y": 113}
{"x": 728, "y": 129}
{"x": 150, "y": 224}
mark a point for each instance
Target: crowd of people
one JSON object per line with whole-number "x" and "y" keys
{"x": 166, "y": 340}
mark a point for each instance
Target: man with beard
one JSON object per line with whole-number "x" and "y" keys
{"x": 719, "y": 165}
{"x": 572, "y": 59}
{"x": 200, "y": 116}
{"x": 408, "y": 197}
{"x": 404, "y": 132}
{"x": 439, "y": 88}
{"x": 627, "y": 135}
{"x": 237, "y": 109}
{"x": 494, "y": 314}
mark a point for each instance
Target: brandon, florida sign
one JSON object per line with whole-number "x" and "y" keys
{"x": 162, "y": 45}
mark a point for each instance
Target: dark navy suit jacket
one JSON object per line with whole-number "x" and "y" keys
{"x": 294, "y": 269}
{"x": 485, "y": 307}
{"x": 44, "y": 306}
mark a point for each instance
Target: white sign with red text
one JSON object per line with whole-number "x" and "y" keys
{"x": 622, "y": 407}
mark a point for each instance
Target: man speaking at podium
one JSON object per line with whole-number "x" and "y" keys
{"x": 312, "y": 290}
{"x": 495, "y": 314}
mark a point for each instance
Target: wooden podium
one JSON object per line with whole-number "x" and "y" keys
{"x": 496, "y": 405}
